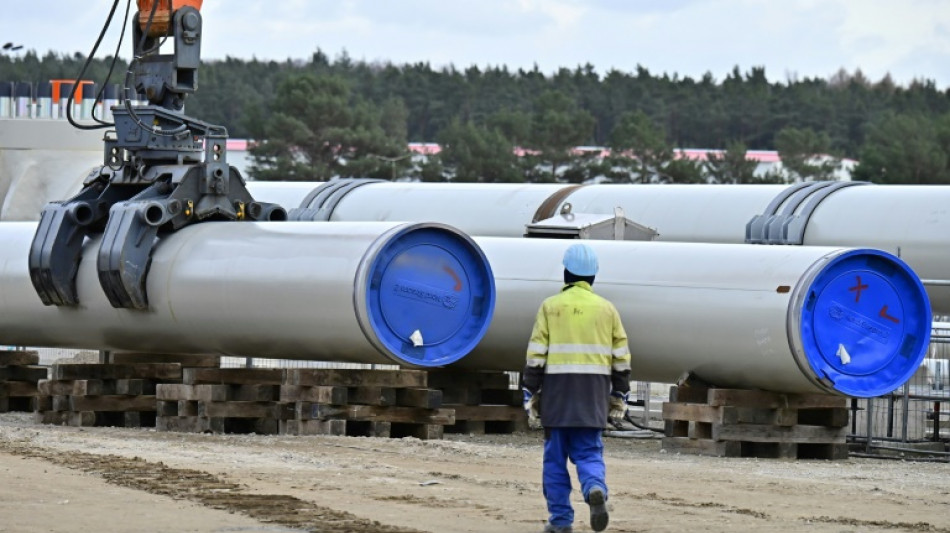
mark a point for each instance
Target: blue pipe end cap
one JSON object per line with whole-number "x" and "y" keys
{"x": 866, "y": 323}
{"x": 430, "y": 297}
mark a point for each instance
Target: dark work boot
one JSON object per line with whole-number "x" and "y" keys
{"x": 598, "y": 509}
{"x": 551, "y": 528}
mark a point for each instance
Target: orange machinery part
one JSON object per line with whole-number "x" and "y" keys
{"x": 163, "y": 15}
{"x": 58, "y": 84}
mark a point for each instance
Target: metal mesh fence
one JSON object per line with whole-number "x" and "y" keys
{"x": 913, "y": 418}
{"x": 256, "y": 362}
{"x": 49, "y": 356}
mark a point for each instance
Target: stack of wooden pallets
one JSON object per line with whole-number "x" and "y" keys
{"x": 378, "y": 403}
{"x": 19, "y": 375}
{"x": 192, "y": 394}
{"x": 121, "y": 393}
{"x": 747, "y": 423}
{"x": 103, "y": 394}
{"x": 484, "y": 402}
{"x": 221, "y": 400}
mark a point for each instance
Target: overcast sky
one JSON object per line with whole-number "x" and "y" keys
{"x": 791, "y": 38}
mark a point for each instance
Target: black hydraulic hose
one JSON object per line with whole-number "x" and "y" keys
{"x": 637, "y": 425}
{"x": 115, "y": 57}
{"x": 135, "y": 118}
{"x": 148, "y": 25}
{"x": 82, "y": 72}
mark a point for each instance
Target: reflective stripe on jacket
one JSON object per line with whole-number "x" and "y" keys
{"x": 580, "y": 343}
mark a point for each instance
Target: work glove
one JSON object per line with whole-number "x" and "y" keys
{"x": 532, "y": 406}
{"x": 618, "y": 408}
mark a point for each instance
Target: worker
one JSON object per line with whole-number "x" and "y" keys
{"x": 577, "y": 374}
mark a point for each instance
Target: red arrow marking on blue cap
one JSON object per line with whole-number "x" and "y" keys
{"x": 458, "y": 282}
{"x": 883, "y": 314}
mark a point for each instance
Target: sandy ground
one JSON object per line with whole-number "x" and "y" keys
{"x": 121, "y": 480}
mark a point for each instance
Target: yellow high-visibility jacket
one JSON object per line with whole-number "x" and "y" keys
{"x": 577, "y": 354}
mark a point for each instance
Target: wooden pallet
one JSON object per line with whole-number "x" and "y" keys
{"x": 397, "y": 379}
{"x": 368, "y": 420}
{"x": 483, "y": 401}
{"x": 374, "y": 403}
{"x": 745, "y": 423}
{"x": 233, "y": 376}
{"x": 103, "y": 394}
{"x": 185, "y": 360}
{"x": 154, "y": 371}
{"x": 96, "y": 402}
{"x": 19, "y": 374}
{"x": 221, "y": 400}
{"x": 239, "y": 407}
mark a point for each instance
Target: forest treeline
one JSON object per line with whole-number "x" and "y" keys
{"x": 324, "y": 117}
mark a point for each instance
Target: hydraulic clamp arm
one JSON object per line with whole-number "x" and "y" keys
{"x": 162, "y": 171}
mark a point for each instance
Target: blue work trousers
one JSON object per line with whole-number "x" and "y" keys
{"x": 584, "y": 447}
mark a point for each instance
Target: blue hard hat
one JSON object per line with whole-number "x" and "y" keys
{"x": 581, "y": 260}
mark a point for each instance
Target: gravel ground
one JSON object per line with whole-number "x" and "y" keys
{"x": 118, "y": 480}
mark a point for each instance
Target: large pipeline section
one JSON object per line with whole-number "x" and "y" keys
{"x": 788, "y": 319}
{"x": 42, "y": 161}
{"x": 416, "y": 294}
{"x": 909, "y": 221}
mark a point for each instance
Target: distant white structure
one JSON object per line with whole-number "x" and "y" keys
{"x": 768, "y": 161}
